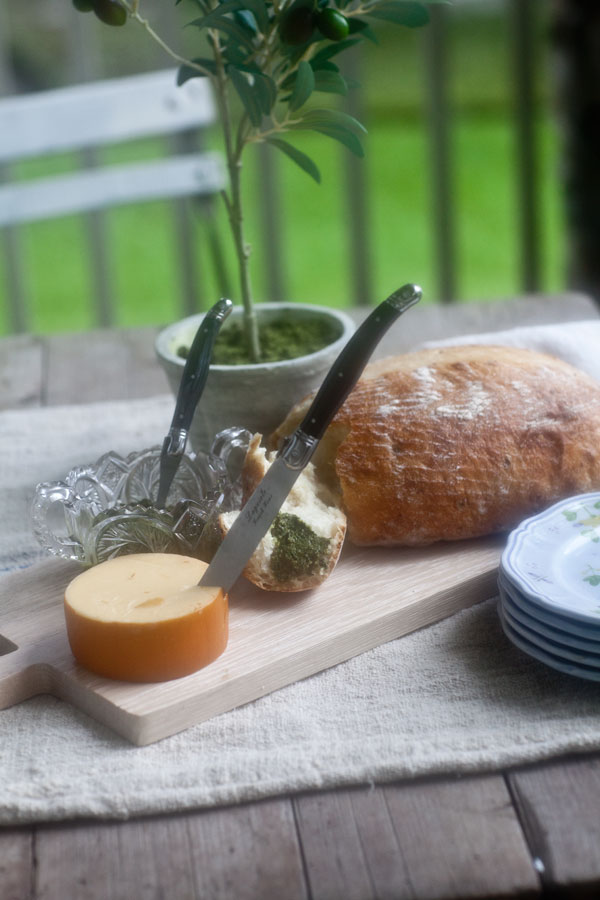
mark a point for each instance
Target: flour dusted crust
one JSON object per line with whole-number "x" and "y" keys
{"x": 312, "y": 501}
{"x": 458, "y": 442}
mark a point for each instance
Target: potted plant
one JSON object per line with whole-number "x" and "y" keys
{"x": 273, "y": 55}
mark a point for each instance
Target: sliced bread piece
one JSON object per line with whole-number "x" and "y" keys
{"x": 302, "y": 546}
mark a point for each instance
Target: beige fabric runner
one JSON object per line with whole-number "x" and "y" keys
{"x": 454, "y": 697}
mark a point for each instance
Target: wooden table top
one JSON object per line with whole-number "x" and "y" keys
{"x": 527, "y": 832}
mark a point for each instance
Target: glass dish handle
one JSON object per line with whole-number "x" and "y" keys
{"x": 51, "y": 521}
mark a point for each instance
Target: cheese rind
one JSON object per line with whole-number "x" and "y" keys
{"x": 144, "y": 618}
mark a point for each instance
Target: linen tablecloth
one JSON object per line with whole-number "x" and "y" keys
{"x": 456, "y": 697}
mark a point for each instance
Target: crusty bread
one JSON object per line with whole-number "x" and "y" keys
{"x": 279, "y": 564}
{"x": 457, "y": 442}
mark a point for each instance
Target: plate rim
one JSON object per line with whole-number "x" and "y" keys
{"x": 545, "y": 629}
{"x": 566, "y": 652}
{"x": 547, "y": 659}
{"x": 513, "y": 546}
{"x": 543, "y": 613}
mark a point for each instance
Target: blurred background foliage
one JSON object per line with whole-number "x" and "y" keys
{"x": 48, "y": 45}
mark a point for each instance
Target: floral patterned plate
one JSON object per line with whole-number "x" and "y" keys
{"x": 554, "y": 558}
{"x": 549, "y": 659}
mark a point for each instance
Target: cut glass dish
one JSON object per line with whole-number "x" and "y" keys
{"x": 105, "y": 509}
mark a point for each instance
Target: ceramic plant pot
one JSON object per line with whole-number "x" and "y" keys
{"x": 255, "y": 396}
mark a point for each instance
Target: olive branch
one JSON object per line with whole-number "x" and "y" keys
{"x": 274, "y": 55}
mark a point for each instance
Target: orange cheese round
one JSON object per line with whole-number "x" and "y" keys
{"x": 144, "y": 617}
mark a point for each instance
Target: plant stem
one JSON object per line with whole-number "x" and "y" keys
{"x": 233, "y": 154}
{"x": 234, "y": 204}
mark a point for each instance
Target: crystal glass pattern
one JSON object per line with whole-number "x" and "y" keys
{"x": 106, "y": 508}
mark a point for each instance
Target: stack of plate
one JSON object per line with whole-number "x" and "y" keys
{"x": 549, "y": 583}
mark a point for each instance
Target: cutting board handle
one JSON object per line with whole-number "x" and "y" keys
{"x": 21, "y": 675}
{"x": 33, "y": 639}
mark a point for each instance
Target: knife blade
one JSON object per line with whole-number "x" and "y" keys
{"x": 258, "y": 513}
{"x": 192, "y": 383}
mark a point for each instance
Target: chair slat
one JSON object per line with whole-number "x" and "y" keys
{"x": 100, "y": 113}
{"x": 104, "y": 188}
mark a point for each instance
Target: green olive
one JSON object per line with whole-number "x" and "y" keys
{"x": 110, "y": 12}
{"x": 297, "y": 25}
{"x": 332, "y": 24}
{"x": 84, "y": 5}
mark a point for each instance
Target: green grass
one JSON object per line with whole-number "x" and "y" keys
{"x": 145, "y": 281}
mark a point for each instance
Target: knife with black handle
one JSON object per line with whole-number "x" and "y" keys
{"x": 256, "y": 517}
{"x": 194, "y": 377}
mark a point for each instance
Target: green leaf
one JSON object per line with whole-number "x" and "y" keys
{"x": 260, "y": 11}
{"x": 330, "y": 82}
{"x": 323, "y": 64}
{"x": 294, "y": 53}
{"x": 234, "y": 31}
{"x": 266, "y": 91}
{"x": 246, "y": 19}
{"x": 400, "y": 12}
{"x": 569, "y": 515}
{"x": 332, "y": 118}
{"x": 247, "y": 95}
{"x": 219, "y": 12}
{"x": 334, "y": 124}
{"x": 184, "y": 73}
{"x": 358, "y": 26}
{"x": 343, "y": 136}
{"x": 218, "y": 19}
{"x": 300, "y": 158}
{"x": 258, "y": 8}
{"x": 237, "y": 56}
{"x": 303, "y": 85}
{"x": 331, "y": 49}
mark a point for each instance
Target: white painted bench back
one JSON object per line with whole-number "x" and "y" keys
{"x": 84, "y": 119}
{"x": 94, "y": 115}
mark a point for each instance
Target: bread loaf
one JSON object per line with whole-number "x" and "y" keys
{"x": 458, "y": 442}
{"x": 304, "y": 542}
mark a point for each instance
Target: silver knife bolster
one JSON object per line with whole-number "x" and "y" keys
{"x": 175, "y": 441}
{"x": 297, "y": 449}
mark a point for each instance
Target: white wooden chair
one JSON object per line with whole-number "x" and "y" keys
{"x": 90, "y": 116}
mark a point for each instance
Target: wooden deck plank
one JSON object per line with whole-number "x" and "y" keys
{"x": 21, "y": 368}
{"x": 559, "y": 806}
{"x": 462, "y": 839}
{"x": 440, "y": 840}
{"x": 109, "y": 365}
{"x": 249, "y": 852}
{"x": 141, "y": 859}
{"x": 16, "y": 863}
{"x": 334, "y": 859}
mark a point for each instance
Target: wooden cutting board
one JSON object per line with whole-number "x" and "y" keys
{"x": 373, "y": 596}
